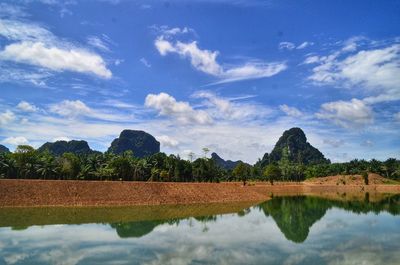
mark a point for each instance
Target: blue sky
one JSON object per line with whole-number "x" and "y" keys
{"x": 227, "y": 75}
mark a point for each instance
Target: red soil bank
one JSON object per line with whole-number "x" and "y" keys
{"x": 93, "y": 193}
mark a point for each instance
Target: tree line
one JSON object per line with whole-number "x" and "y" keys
{"x": 27, "y": 163}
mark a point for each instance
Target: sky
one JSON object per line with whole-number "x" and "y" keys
{"x": 227, "y": 75}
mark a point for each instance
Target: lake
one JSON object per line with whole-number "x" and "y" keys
{"x": 284, "y": 230}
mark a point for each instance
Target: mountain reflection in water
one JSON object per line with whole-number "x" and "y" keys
{"x": 294, "y": 215}
{"x": 333, "y": 229}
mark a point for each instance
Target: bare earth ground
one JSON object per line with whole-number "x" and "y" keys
{"x": 31, "y": 193}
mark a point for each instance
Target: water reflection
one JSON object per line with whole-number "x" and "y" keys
{"x": 283, "y": 230}
{"x": 294, "y": 215}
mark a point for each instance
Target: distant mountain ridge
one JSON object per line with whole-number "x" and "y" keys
{"x": 225, "y": 164}
{"x": 60, "y": 147}
{"x": 299, "y": 150}
{"x": 140, "y": 143}
{"x": 4, "y": 149}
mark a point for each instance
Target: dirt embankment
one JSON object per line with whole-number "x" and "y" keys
{"x": 30, "y": 193}
{"x": 373, "y": 179}
{"x": 98, "y": 193}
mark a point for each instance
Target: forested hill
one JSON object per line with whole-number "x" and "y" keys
{"x": 4, "y": 149}
{"x": 60, "y": 147}
{"x": 140, "y": 143}
{"x": 293, "y": 144}
{"x": 225, "y": 164}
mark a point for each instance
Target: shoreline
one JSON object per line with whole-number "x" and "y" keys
{"x": 75, "y": 193}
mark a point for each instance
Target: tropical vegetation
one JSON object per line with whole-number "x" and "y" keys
{"x": 28, "y": 163}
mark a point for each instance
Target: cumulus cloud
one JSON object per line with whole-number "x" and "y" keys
{"x": 26, "y": 107}
{"x": 70, "y": 108}
{"x": 54, "y": 58}
{"x": 376, "y": 71}
{"x": 168, "y": 106}
{"x": 19, "y": 140}
{"x": 6, "y": 117}
{"x": 206, "y": 61}
{"x": 167, "y": 141}
{"x": 73, "y": 109}
{"x": 290, "y": 111}
{"x": 35, "y": 45}
{"x": 348, "y": 114}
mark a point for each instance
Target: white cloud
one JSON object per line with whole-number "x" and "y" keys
{"x": 312, "y": 59}
{"x": 11, "y": 11}
{"x": 6, "y": 117}
{"x": 334, "y": 142}
{"x": 351, "y": 44}
{"x": 73, "y": 109}
{"x": 206, "y": 61}
{"x": 60, "y": 138}
{"x": 27, "y": 107}
{"x": 228, "y": 109}
{"x": 348, "y": 114}
{"x": 17, "y": 30}
{"x": 35, "y": 45}
{"x": 11, "y": 74}
{"x": 167, "y": 141}
{"x": 57, "y": 59}
{"x": 70, "y": 108}
{"x": 181, "y": 111}
{"x": 145, "y": 62}
{"x": 203, "y": 60}
{"x": 98, "y": 43}
{"x": 19, "y": 140}
{"x": 290, "y": 111}
{"x": 286, "y": 45}
{"x": 168, "y": 32}
{"x": 252, "y": 70}
{"x": 304, "y": 45}
{"x": 375, "y": 71}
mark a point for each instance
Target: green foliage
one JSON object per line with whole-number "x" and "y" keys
{"x": 28, "y": 163}
{"x": 298, "y": 149}
{"x": 58, "y": 148}
{"x": 242, "y": 172}
{"x": 272, "y": 172}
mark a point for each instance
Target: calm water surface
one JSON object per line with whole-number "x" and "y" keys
{"x": 284, "y": 230}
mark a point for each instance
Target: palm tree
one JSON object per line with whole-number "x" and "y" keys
{"x": 47, "y": 168}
